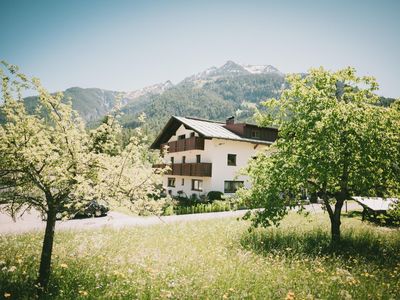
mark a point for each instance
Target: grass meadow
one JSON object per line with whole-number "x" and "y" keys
{"x": 217, "y": 259}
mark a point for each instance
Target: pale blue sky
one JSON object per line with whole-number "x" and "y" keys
{"x": 126, "y": 45}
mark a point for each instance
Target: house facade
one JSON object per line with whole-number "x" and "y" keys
{"x": 206, "y": 156}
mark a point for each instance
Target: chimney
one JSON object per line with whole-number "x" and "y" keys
{"x": 230, "y": 120}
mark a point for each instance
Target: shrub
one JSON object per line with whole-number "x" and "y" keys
{"x": 168, "y": 210}
{"x": 214, "y": 195}
{"x": 393, "y": 214}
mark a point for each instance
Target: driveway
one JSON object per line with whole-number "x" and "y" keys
{"x": 31, "y": 221}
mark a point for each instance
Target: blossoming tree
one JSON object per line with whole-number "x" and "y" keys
{"x": 50, "y": 162}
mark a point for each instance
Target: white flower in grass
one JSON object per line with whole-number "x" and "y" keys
{"x": 12, "y": 269}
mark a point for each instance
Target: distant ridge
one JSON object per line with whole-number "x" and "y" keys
{"x": 216, "y": 93}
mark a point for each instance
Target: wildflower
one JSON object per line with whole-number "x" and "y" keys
{"x": 290, "y": 296}
{"x": 166, "y": 294}
{"x": 64, "y": 266}
{"x": 83, "y": 293}
{"x": 7, "y": 295}
{"x": 345, "y": 295}
{"x": 12, "y": 269}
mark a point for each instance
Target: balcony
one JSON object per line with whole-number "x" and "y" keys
{"x": 188, "y": 169}
{"x": 192, "y": 143}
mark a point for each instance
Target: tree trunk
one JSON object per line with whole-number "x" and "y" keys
{"x": 335, "y": 230}
{"x": 335, "y": 222}
{"x": 45, "y": 260}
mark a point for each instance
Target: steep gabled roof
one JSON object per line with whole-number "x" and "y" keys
{"x": 205, "y": 128}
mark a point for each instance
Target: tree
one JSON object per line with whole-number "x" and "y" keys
{"x": 333, "y": 142}
{"x": 49, "y": 161}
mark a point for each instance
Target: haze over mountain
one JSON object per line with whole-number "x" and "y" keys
{"x": 215, "y": 93}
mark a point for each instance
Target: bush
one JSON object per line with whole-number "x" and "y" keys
{"x": 214, "y": 195}
{"x": 202, "y": 204}
{"x": 168, "y": 210}
{"x": 393, "y": 214}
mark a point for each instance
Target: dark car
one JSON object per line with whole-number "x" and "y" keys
{"x": 92, "y": 209}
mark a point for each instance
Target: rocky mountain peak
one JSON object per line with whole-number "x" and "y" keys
{"x": 231, "y": 68}
{"x": 154, "y": 89}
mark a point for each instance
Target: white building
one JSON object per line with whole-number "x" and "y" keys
{"x": 207, "y": 156}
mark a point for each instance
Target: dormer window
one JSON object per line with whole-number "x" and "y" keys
{"x": 192, "y": 134}
{"x": 255, "y": 134}
{"x": 181, "y": 137}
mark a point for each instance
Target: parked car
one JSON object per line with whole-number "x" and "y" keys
{"x": 92, "y": 209}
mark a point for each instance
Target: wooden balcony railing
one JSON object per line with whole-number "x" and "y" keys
{"x": 192, "y": 143}
{"x": 188, "y": 169}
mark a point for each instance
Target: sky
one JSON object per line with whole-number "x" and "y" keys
{"x": 126, "y": 45}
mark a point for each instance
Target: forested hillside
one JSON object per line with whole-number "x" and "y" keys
{"x": 213, "y": 99}
{"x": 216, "y": 93}
{"x": 91, "y": 103}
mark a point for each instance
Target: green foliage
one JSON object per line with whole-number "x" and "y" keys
{"x": 215, "y": 206}
{"x": 215, "y": 195}
{"x": 184, "y": 205}
{"x": 333, "y": 141}
{"x": 393, "y": 214}
{"x": 213, "y": 259}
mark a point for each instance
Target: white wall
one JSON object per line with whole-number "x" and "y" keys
{"x": 180, "y": 131}
{"x": 216, "y": 152}
{"x": 187, "y": 187}
{"x": 219, "y": 150}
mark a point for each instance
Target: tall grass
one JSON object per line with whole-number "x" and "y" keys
{"x": 216, "y": 259}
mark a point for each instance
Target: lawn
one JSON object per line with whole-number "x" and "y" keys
{"x": 216, "y": 259}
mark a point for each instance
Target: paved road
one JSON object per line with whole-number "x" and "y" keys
{"x": 31, "y": 221}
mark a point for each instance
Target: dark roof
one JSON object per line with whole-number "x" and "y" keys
{"x": 205, "y": 128}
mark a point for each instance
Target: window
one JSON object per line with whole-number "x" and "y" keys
{"x": 198, "y": 158}
{"x": 183, "y": 159}
{"x": 192, "y": 134}
{"x": 183, "y": 181}
{"x": 232, "y": 186}
{"x": 172, "y": 160}
{"x": 171, "y": 182}
{"x": 255, "y": 134}
{"x": 197, "y": 185}
{"x": 231, "y": 159}
{"x": 181, "y": 137}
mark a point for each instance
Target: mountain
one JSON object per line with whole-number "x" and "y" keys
{"x": 154, "y": 89}
{"x": 216, "y": 93}
{"x": 91, "y": 103}
{"x": 232, "y": 69}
